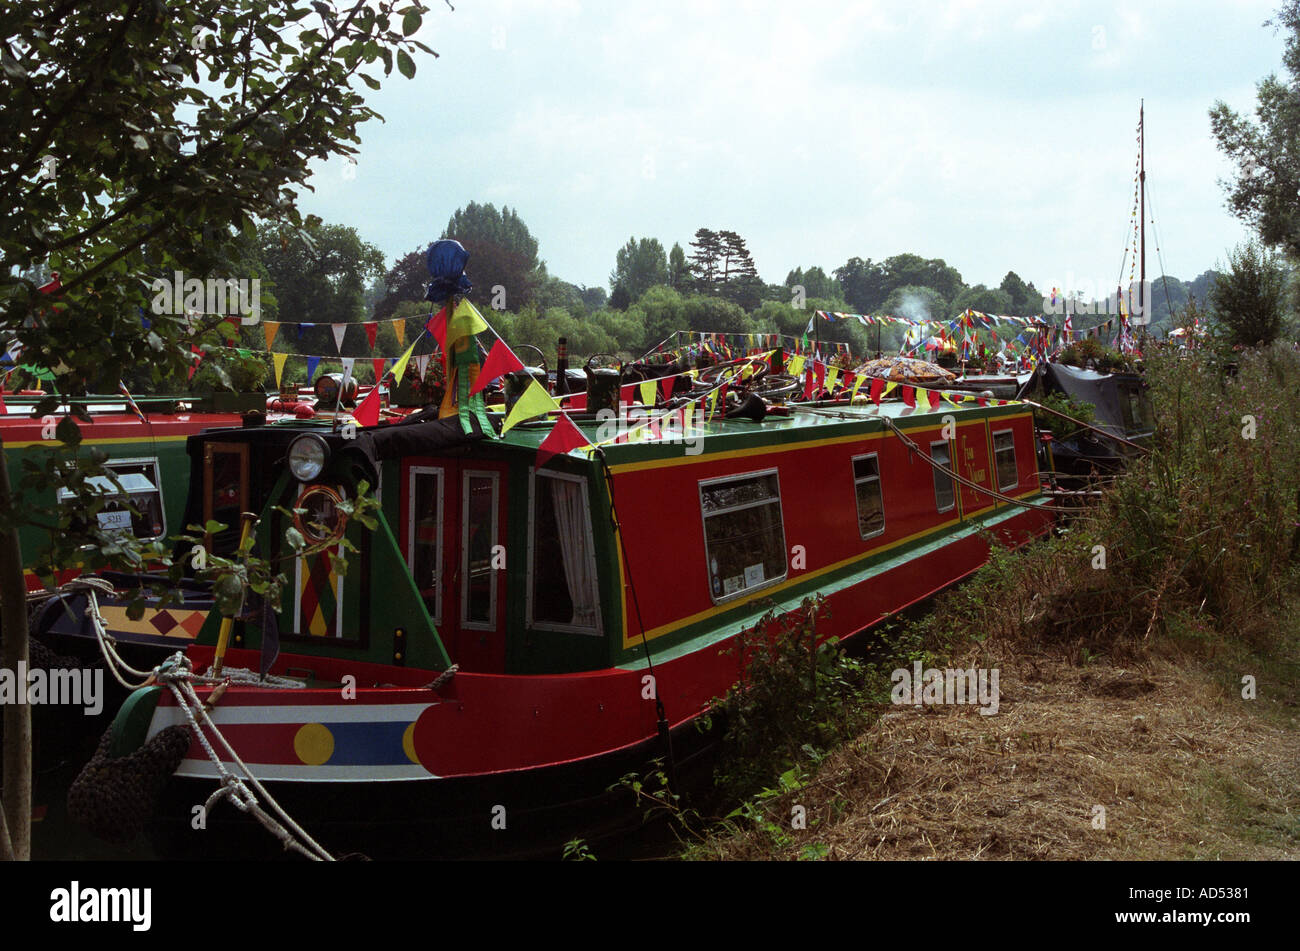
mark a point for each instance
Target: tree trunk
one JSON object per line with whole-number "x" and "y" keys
{"x": 17, "y": 790}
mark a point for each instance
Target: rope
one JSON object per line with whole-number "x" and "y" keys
{"x": 177, "y": 675}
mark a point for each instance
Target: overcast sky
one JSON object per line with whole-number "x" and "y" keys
{"x": 996, "y": 134}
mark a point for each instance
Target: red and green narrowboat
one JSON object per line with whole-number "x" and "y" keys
{"x": 512, "y": 638}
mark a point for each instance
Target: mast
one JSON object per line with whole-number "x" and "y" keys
{"x": 1142, "y": 213}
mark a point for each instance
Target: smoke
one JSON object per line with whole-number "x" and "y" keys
{"x": 914, "y": 307}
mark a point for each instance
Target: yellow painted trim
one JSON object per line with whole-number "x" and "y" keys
{"x": 774, "y": 449}
{"x": 114, "y": 441}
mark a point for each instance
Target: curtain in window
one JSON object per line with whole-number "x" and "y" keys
{"x": 570, "y": 520}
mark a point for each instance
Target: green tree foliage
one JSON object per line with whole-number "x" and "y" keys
{"x": 405, "y": 280}
{"x": 679, "y": 272}
{"x": 1249, "y": 297}
{"x": 1026, "y": 300}
{"x": 867, "y": 284}
{"x": 816, "y": 283}
{"x": 320, "y": 272}
{"x": 1266, "y": 192}
{"x": 982, "y": 299}
{"x": 502, "y": 253}
{"x": 639, "y": 266}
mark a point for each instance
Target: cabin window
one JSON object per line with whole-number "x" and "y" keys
{"x": 478, "y": 525}
{"x": 562, "y": 570}
{"x": 871, "y": 504}
{"x": 140, "y": 489}
{"x": 1004, "y": 452}
{"x": 945, "y": 496}
{"x": 225, "y": 492}
{"x": 424, "y": 549}
{"x": 744, "y": 535}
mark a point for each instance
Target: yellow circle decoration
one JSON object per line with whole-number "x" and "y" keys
{"x": 314, "y": 744}
{"x": 408, "y": 744}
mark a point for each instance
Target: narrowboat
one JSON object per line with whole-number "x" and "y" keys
{"x": 523, "y": 626}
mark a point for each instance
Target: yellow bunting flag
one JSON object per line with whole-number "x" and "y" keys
{"x": 832, "y": 375}
{"x": 889, "y": 388}
{"x": 400, "y": 366}
{"x": 534, "y": 401}
{"x": 278, "y": 360}
{"x": 648, "y": 390}
{"x": 795, "y": 366}
{"x": 399, "y": 328}
{"x": 857, "y": 383}
{"x": 270, "y": 327}
{"x": 465, "y": 321}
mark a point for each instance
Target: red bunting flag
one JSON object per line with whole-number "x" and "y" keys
{"x": 909, "y": 397}
{"x": 563, "y": 437}
{"x": 378, "y": 364}
{"x": 934, "y": 398}
{"x": 666, "y": 387}
{"x": 500, "y": 361}
{"x": 372, "y": 329}
{"x": 437, "y": 327}
{"x": 877, "y": 389}
{"x": 367, "y": 413}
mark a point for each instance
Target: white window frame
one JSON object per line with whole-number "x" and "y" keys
{"x": 935, "y": 474}
{"x": 531, "y": 619}
{"x": 1014, "y": 461}
{"x": 705, "y": 516}
{"x": 64, "y": 495}
{"x": 880, "y": 485}
{"x": 411, "y": 474}
{"x": 495, "y": 477}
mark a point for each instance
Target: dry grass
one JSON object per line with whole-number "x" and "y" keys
{"x": 1183, "y": 768}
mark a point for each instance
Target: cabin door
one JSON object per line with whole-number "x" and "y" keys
{"x": 454, "y": 539}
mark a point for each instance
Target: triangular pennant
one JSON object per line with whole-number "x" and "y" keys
{"x": 533, "y": 402}
{"x": 378, "y": 364}
{"x": 269, "y": 327}
{"x": 877, "y": 390}
{"x": 666, "y": 386}
{"x": 564, "y": 437}
{"x": 399, "y": 327}
{"x": 436, "y": 326}
{"x": 500, "y": 361}
{"x": 372, "y": 330}
{"x": 339, "y": 330}
{"x": 367, "y": 413}
{"x": 421, "y": 364}
{"x": 400, "y": 367}
{"x": 302, "y": 327}
{"x": 909, "y": 397}
{"x": 348, "y": 364}
{"x": 312, "y": 363}
{"x": 933, "y": 397}
{"x": 277, "y": 360}
{"x": 464, "y": 322}
{"x": 648, "y": 393}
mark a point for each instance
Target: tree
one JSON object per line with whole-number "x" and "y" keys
{"x": 866, "y": 284}
{"x": 139, "y": 138}
{"x": 1266, "y": 192}
{"x": 1248, "y": 297}
{"x": 320, "y": 272}
{"x": 815, "y": 283}
{"x": 502, "y": 253}
{"x": 1026, "y": 301}
{"x": 980, "y": 298}
{"x": 706, "y": 252}
{"x": 679, "y": 273}
{"x": 639, "y": 266}
{"x": 407, "y": 279}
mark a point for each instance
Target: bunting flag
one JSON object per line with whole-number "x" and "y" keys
{"x": 795, "y": 366}
{"x": 372, "y": 331}
{"x": 339, "y": 331}
{"x": 533, "y": 402}
{"x": 666, "y": 385}
{"x": 131, "y": 402}
{"x": 302, "y": 327}
{"x": 564, "y": 437}
{"x": 269, "y": 327}
{"x": 348, "y": 364}
{"x": 648, "y": 393}
{"x": 312, "y": 364}
{"x": 627, "y": 393}
{"x": 436, "y": 327}
{"x": 399, "y": 327}
{"x": 909, "y": 397}
{"x": 465, "y": 321}
{"x": 858, "y": 380}
{"x": 278, "y": 361}
{"x": 832, "y": 374}
{"x": 877, "y": 390}
{"x": 422, "y": 364}
{"x": 500, "y": 361}
{"x": 400, "y": 367}
{"x": 933, "y": 396}
{"x": 378, "y": 364}
{"x": 367, "y": 413}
